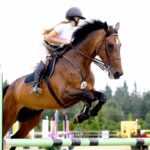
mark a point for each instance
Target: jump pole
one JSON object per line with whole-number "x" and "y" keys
{"x": 78, "y": 142}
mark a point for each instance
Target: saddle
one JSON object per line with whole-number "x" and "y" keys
{"x": 54, "y": 57}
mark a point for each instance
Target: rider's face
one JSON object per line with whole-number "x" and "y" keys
{"x": 76, "y": 19}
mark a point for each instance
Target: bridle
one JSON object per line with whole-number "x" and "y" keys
{"x": 104, "y": 66}
{"x": 106, "y": 51}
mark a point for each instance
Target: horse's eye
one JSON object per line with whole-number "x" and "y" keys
{"x": 110, "y": 46}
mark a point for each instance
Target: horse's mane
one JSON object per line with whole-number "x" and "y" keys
{"x": 88, "y": 27}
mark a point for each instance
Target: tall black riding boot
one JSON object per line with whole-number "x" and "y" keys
{"x": 37, "y": 77}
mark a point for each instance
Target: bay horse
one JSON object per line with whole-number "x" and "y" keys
{"x": 72, "y": 80}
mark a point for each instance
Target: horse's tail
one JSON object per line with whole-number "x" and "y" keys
{"x": 5, "y": 87}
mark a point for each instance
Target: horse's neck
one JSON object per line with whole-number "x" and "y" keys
{"x": 90, "y": 46}
{"x": 78, "y": 55}
{"x": 92, "y": 42}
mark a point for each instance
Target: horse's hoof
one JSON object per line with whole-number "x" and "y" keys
{"x": 75, "y": 120}
{"x": 80, "y": 118}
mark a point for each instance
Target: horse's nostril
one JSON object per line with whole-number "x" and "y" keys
{"x": 117, "y": 75}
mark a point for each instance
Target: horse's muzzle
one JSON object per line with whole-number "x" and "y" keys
{"x": 114, "y": 74}
{"x": 117, "y": 75}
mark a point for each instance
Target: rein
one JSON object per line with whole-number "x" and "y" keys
{"x": 99, "y": 62}
{"x": 78, "y": 70}
{"x": 96, "y": 61}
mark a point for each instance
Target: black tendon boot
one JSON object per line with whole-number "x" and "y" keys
{"x": 37, "y": 77}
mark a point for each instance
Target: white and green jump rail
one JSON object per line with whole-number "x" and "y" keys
{"x": 67, "y": 141}
{"x": 78, "y": 142}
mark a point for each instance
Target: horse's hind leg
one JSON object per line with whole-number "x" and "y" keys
{"x": 26, "y": 127}
{"x": 101, "y": 97}
{"x": 10, "y": 111}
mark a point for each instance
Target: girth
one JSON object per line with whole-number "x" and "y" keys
{"x": 53, "y": 93}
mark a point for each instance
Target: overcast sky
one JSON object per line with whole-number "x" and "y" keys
{"x": 22, "y": 22}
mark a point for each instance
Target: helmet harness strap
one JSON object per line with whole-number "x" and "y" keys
{"x": 76, "y": 21}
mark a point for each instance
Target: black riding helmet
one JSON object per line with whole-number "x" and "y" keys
{"x": 74, "y": 12}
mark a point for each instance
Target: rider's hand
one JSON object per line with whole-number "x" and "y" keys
{"x": 65, "y": 42}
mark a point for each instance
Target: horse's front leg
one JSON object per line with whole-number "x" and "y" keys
{"x": 101, "y": 97}
{"x": 87, "y": 111}
{"x": 87, "y": 97}
{"x": 84, "y": 114}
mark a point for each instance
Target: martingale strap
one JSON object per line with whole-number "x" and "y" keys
{"x": 53, "y": 93}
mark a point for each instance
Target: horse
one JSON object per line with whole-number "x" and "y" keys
{"x": 71, "y": 82}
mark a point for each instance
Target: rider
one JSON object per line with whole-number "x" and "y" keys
{"x": 59, "y": 35}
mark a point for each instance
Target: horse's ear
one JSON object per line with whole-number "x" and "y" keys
{"x": 117, "y": 26}
{"x": 105, "y": 26}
